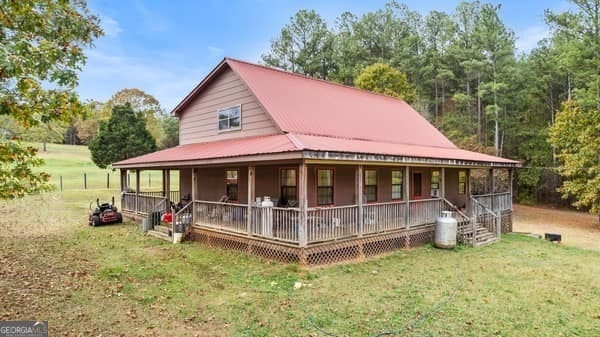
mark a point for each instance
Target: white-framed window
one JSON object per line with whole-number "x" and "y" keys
{"x": 397, "y": 184}
{"x": 229, "y": 118}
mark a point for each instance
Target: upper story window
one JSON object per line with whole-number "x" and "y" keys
{"x": 230, "y": 118}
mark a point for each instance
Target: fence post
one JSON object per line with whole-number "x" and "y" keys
{"x": 107, "y": 180}
{"x": 60, "y": 179}
{"x": 84, "y": 181}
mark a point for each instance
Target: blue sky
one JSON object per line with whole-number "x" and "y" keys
{"x": 166, "y": 47}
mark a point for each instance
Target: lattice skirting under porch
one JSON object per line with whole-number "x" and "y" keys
{"x": 322, "y": 254}
{"x": 507, "y": 224}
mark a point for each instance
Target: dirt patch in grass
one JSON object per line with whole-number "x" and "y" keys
{"x": 577, "y": 228}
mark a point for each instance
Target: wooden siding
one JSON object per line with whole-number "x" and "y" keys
{"x": 212, "y": 183}
{"x": 344, "y": 184}
{"x": 198, "y": 122}
{"x": 460, "y": 200}
{"x": 185, "y": 181}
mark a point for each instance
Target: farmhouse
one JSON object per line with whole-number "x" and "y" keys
{"x": 304, "y": 170}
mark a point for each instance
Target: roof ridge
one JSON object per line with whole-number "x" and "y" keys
{"x": 366, "y": 140}
{"x": 287, "y": 72}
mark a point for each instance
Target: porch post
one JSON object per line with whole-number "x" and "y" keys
{"x": 251, "y": 193}
{"x": 443, "y": 183}
{"x": 123, "y": 180}
{"x": 492, "y": 187}
{"x": 303, "y": 204}
{"x": 167, "y": 187}
{"x": 359, "y": 195}
{"x": 137, "y": 190}
{"x": 407, "y": 194}
{"x": 510, "y": 186}
{"x": 194, "y": 191}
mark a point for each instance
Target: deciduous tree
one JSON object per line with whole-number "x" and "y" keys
{"x": 382, "y": 78}
{"x": 576, "y": 136}
{"x": 41, "y": 41}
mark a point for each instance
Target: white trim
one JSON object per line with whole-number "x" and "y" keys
{"x": 239, "y": 107}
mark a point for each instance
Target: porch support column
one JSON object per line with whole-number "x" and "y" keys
{"x": 194, "y": 191}
{"x": 492, "y": 187}
{"x": 167, "y": 187}
{"x": 472, "y": 212}
{"x": 137, "y": 189}
{"x": 443, "y": 183}
{"x": 251, "y": 194}
{"x": 510, "y": 186}
{"x": 359, "y": 196}
{"x": 407, "y": 194}
{"x": 123, "y": 180}
{"x": 303, "y": 204}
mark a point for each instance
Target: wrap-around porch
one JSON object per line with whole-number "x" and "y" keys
{"x": 312, "y": 204}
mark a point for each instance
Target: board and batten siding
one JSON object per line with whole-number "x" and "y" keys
{"x": 198, "y": 121}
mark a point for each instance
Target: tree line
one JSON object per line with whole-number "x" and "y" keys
{"x": 466, "y": 76}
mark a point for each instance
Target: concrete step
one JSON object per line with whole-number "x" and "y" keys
{"x": 159, "y": 235}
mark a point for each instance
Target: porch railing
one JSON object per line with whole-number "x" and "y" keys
{"x": 142, "y": 203}
{"x": 495, "y": 201}
{"x": 383, "y": 217}
{"x": 484, "y": 216}
{"x": 424, "y": 212}
{"x": 221, "y": 215}
{"x": 330, "y": 223}
{"x": 281, "y": 224}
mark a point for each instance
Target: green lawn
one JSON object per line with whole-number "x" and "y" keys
{"x": 115, "y": 281}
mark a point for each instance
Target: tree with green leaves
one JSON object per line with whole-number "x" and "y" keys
{"x": 576, "y": 136}
{"x": 382, "y": 78}
{"x": 304, "y": 46}
{"x": 123, "y": 136}
{"x": 170, "y": 126}
{"x": 41, "y": 41}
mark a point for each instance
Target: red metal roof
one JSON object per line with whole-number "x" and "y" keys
{"x": 319, "y": 143}
{"x": 297, "y": 142}
{"x": 318, "y": 115}
{"x": 219, "y": 149}
{"x": 305, "y": 105}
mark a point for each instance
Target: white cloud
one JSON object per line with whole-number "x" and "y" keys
{"x": 110, "y": 26}
{"x": 528, "y": 37}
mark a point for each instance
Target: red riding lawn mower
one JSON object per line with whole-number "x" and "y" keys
{"x": 104, "y": 214}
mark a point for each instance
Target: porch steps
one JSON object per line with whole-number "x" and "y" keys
{"x": 161, "y": 232}
{"x": 484, "y": 237}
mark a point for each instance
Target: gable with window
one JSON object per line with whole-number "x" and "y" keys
{"x": 230, "y": 118}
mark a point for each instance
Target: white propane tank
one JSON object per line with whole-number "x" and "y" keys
{"x": 267, "y": 217}
{"x": 445, "y": 230}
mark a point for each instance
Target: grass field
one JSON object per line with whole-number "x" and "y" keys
{"x": 115, "y": 281}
